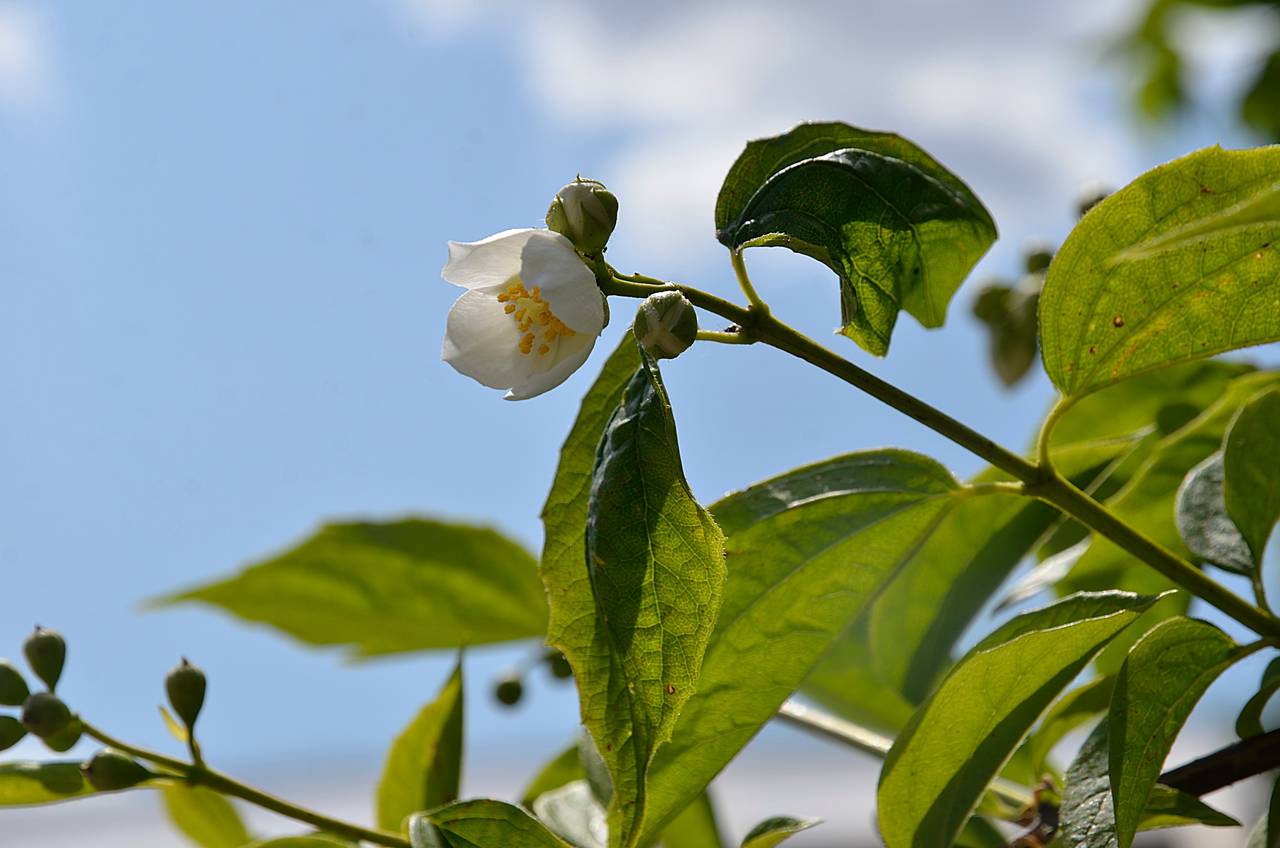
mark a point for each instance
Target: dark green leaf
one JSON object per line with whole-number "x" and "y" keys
{"x": 1158, "y": 685}
{"x": 424, "y": 765}
{"x": 957, "y": 741}
{"x": 1249, "y": 722}
{"x": 1102, "y": 320}
{"x": 1073, "y": 710}
{"x": 380, "y": 588}
{"x": 25, "y": 784}
{"x": 204, "y": 816}
{"x": 777, "y": 830}
{"x": 1170, "y": 808}
{"x": 807, "y": 552}
{"x": 1251, "y": 458}
{"x": 1087, "y": 816}
{"x": 564, "y": 768}
{"x": 696, "y": 827}
{"x": 481, "y": 823}
{"x": 573, "y": 813}
{"x": 900, "y": 230}
{"x": 1202, "y": 519}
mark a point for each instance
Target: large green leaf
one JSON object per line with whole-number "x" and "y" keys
{"x": 24, "y": 784}
{"x": 481, "y": 823}
{"x": 1074, "y": 709}
{"x": 424, "y": 765}
{"x": 957, "y": 741}
{"x": 899, "y": 229}
{"x": 1249, "y": 722}
{"x": 380, "y": 588}
{"x": 205, "y": 817}
{"x": 1158, "y": 685}
{"x": 1106, "y": 314}
{"x": 807, "y": 552}
{"x": 1251, "y": 457}
{"x": 655, "y": 572}
{"x": 1202, "y": 519}
{"x": 696, "y": 827}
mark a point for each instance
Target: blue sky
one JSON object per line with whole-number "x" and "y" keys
{"x": 221, "y": 229}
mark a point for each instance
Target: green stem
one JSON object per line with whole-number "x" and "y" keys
{"x": 1046, "y": 430}
{"x": 200, "y": 775}
{"x": 1038, "y": 481}
{"x": 744, "y": 281}
{"x": 733, "y": 338}
{"x": 869, "y": 742}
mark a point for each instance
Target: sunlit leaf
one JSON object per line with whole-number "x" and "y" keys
{"x": 29, "y": 783}
{"x": 480, "y": 823}
{"x": 1103, "y": 320}
{"x": 205, "y": 817}
{"x": 775, "y": 831}
{"x": 424, "y": 766}
{"x": 1073, "y": 710}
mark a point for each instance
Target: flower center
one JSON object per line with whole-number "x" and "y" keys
{"x": 533, "y": 316}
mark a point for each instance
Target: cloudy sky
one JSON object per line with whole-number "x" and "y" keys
{"x": 221, "y": 227}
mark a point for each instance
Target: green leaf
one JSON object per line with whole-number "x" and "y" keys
{"x": 380, "y": 588}
{"x": 424, "y": 765}
{"x": 1249, "y": 722}
{"x": 980, "y": 833}
{"x": 807, "y": 552}
{"x": 1262, "y": 208}
{"x": 1158, "y": 685}
{"x": 1251, "y": 456}
{"x": 563, "y": 768}
{"x": 573, "y": 813}
{"x": 1073, "y": 710}
{"x": 480, "y": 823}
{"x": 776, "y": 830}
{"x": 1103, "y": 320}
{"x": 900, "y": 230}
{"x": 696, "y": 827}
{"x": 1266, "y": 833}
{"x": 656, "y": 564}
{"x": 24, "y": 784}
{"x": 957, "y": 741}
{"x": 1170, "y": 808}
{"x": 1202, "y": 519}
{"x": 205, "y": 817}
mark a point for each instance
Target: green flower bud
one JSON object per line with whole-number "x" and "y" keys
{"x": 585, "y": 212}
{"x": 666, "y": 324}
{"x": 11, "y": 732}
{"x": 46, "y": 651}
{"x": 44, "y": 715}
{"x": 109, "y": 770}
{"x": 66, "y": 738}
{"x": 185, "y": 686}
{"x": 1037, "y": 258}
{"x": 560, "y": 668}
{"x": 13, "y": 686}
{"x": 509, "y": 690}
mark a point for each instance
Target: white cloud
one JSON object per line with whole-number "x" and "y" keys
{"x": 28, "y": 83}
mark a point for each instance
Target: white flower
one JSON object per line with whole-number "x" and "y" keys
{"x": 530, "y": 316}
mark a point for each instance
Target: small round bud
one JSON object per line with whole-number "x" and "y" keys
{"x": 185, "y": 686}
{"x": 13, "y": 686}
{"x": 46, "y": 651}
{"x": 1037, "y": 257}
{"x": 585, "y": 212}
{"x": 109, "y": 770}
{"x": 509, "y": 690}
{"x": 11, "y": 732}
{"x": 1091, "y": 196}
{"x": 666, "y": 324}
{"x": 560, "y": 668}
{"x": 44, "y": 715}
{"x": 66, "y": 738}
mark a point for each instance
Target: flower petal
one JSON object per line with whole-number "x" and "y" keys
{"x": 488, "y": 262}
{"x": 572, "y": 353}
{"x": 482, "y": 342}
{"x": 549, "y": 262}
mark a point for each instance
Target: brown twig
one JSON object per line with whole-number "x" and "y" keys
{"x": 1233, "y": 763}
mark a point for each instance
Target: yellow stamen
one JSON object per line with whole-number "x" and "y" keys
{"x": 527, "y": 309}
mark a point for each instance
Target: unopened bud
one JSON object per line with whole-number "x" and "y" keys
{"x": 66, "y": 738}
{"x": 13, "y": 686}
{"x": 110, "y": 770}
{"x": 585, "y": 212}
{"x": 185, "y": 687}
{"x": 666, "y": 324}
{"x": 560, "y": 668}
{"x": 11, "y": 732}
{"x": 46, "y": 651}
{"x": 44, "y": 715}
{"x": 1037, "y": 257}
{"x": 509, "y": 690}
